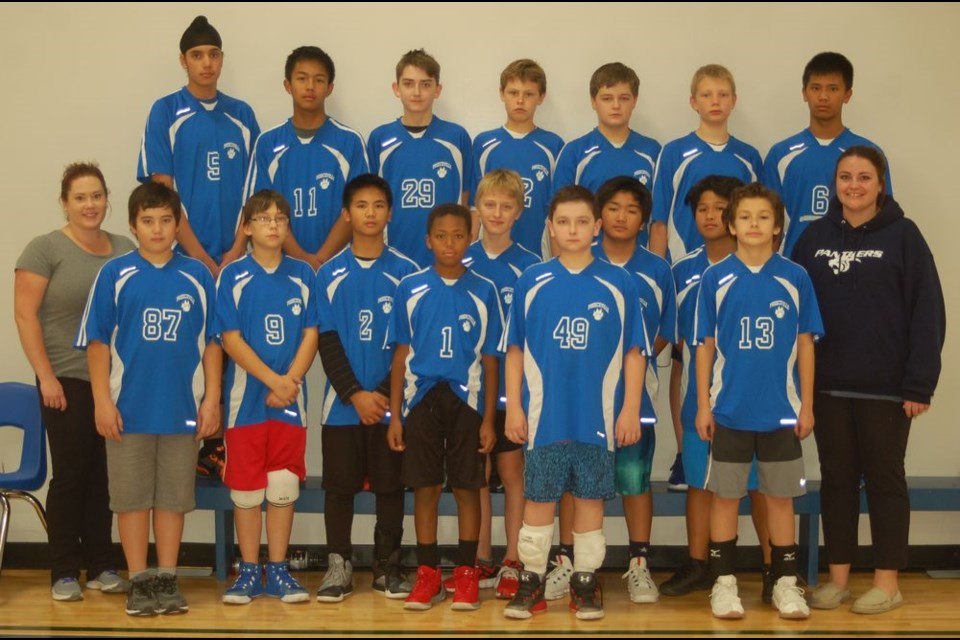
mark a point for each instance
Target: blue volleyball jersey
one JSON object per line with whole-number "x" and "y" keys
{"x": 687, "y": 272}
{"x": 756, "y": 319}
{"x": 423, "y": 169}
{"x": 311, "y": 175}
{"x": 801, "y": 170}
{"x": 271, "y": 310}
{"x": 157, "y": 322}
{"x": 534, "y": 157}
{"x": 574, "y": 329}
{"x": 207, "y": 153}
{"x": 685, "y": 162}
{"x": 356, "y": 299}
{"x": 503, "y": 271}
{"x": 658, "y": 304}
{"x": 448, "y": 327}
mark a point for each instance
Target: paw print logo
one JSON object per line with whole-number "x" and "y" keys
{"x": 779, "y": 313}
{"x": 185, "y": 305}
{"x": 465, "y": 325}
{"x": 231, "y": 153}
{"x": 442, "y": 172}
{"x": 540, "y": 176}
{"x": 508, "y": 297}
{"x": 296, "y": 309}
{"x": 598, "y": 314}
{"x": 325, "y": 183}
{"x": 387, "y": 307}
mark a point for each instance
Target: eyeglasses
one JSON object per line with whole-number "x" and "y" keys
{"x": 265, "y": 221}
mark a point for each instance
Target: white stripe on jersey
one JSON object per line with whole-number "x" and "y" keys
{"x": 531, "y": 370}
{"x": 237, "y": 392}
{"x": 612, "y": 376}
{"x": 457, "y": 159}
{"x": 116, "y": 367}
{"x": 244, "y": 130}
{"x": 475, "y": 373}
{"x": 582, "y": 165}
{"x": 550, "y": 157}
{"x": 675, "y": 240}
{"x": 410, "y": 386}
{"x": 175, "y": 127}
{"x": 198, "y": 377}
{"x": 341, "y": 160}
{"x": 493, "y": 144}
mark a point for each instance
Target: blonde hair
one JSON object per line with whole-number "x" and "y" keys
{"x": 503, "y": 180}
{"x": 717, "y": 71}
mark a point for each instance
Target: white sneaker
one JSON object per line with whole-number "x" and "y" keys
{"x": 788, "y": 599}
{"x": 640, "y": 584}
{"x": 724, "y": 601}
{"x": 558, "y": 578}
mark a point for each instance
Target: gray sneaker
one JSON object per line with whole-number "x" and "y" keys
{"x": 338, "y": 582}
{"x": 142, "y": 598}
{"x": 390, "y": 580}
{"x": 109, "y": 581}
{"x": 66, "y": 590}
{"x": 169, "y": 598}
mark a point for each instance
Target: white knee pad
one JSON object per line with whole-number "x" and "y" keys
{"x": 283, "y": 487}
{"x": 589, "y": 550}
{"x": 247, "y": 499}
{"x": 533, "y": 547}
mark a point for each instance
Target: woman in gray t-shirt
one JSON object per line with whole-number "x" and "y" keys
{"x": 53, "y": 276}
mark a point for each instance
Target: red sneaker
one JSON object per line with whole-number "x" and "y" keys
{"x": 467, "y": 595}
{"x": 427, "y": 591}
{"x": 508, "y": 579}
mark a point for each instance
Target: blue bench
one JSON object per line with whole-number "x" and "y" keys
{"x": 926, "y": 494}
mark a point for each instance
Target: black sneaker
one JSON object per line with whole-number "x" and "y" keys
{"x": 528, "y": 599}
{"x": 142, "y": 598}
{"x": 169, "y": 599}
{"x": 677, "y": 480}
{"x": 766, "y": 574}
{"x": 694, "y": 576}
{"x": 389, "y": 579}
{"x": 586, "y": 598}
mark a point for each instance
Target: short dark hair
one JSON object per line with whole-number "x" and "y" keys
{"x": 875, "y": 157}
{"x": 829, "y": 62}
{"x": 755, "y": 190}
{"x": 309, "y": 53}
{"x": 575, "y": 193}
{"x": 723, "y": 186}
{"x": 421, "y": 60}
{"x": 449, "y": 209}
{"x": 152, "y": 195}
{"x": 626, "y": 184}
{"x": 263, "y": 200}
{"x": 614, "y": 73}
{"x": 363, "y": 181}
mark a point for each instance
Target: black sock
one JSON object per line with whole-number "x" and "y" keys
{"x": 428, "y": 555}
{"x": 338, "y": 521}
{"x": 639, "y": 549}
{"x": 783, "y": 561}
{"x": 723, "y": 558}
{"x": 467, "y": 553}
{"x": 566, "y": 550}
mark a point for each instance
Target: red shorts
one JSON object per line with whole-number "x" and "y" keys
{"x": 255, "y": 450}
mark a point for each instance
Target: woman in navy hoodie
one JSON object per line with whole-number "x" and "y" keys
{"x": 876, "y": 369}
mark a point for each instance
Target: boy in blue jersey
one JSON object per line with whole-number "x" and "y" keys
{"x": 443, "y": 398}
{"x": 756, "y": 321}
{"x": 708, "y": 199}
{"x": 155, "y": 372}
{"x": 612, "y": 148}
{"x": 198, "y": 141}
{"x": 309, "y": 159}
{"x": 426, "y": 160}
{"x": 355, "y": 291}
{"x": 267, "y": 319}
{"x": 801, "y": 167}
{"x": 575, "y": 360}
{"x": 499, "y": 199}
{"x": 710, "y": 150}
{"x": 521, "y": 146}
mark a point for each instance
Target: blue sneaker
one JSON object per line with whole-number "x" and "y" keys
{"x": 247, "y": 586}
{"x": 678, "y": 480}
{"x": 280, "y": 584}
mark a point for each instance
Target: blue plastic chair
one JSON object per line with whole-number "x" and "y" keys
{"x": 20, "y": 407}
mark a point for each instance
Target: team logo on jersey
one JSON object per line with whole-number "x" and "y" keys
{"x": 507, "y": 293}
{"x": 386, "y": 303}
{"x": 325, "y": 180}
{"x": 467, "y": 321}
{"x": 296, "y": 305}
{"x": 840, "y": 262}
{"x": 442, "y": 168}
{"x": 540, "y": 172}
{"x": 780, "y": 308}
{"x": 642, "y": 176}
{"x": 599, "y": 310}
{"x": 231, "y": 149}
{"x": 186, "y": 301}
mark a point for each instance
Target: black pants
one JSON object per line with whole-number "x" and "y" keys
{"x": 863, "y": 438}
{"x": 79, "y": 519}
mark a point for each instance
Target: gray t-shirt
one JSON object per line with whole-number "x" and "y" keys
{"x": 70, "y": 271}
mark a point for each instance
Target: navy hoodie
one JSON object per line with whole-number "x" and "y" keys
{"x": 881, "y": 302}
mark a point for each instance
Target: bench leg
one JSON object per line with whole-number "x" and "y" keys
{"x": 810, "y": 546}
{"x": 223, "y": 523}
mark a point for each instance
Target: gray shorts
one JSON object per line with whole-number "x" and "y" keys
{"x": 779, "y": 459}
{"x": 149, "y": 471}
